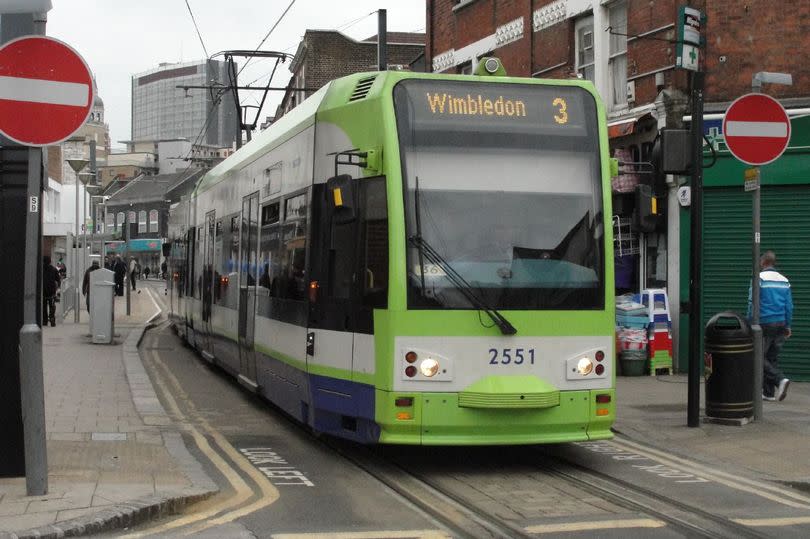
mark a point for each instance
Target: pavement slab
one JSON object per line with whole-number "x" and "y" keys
{"x": 114, "y": 456}
{"x": 653, "y": 410}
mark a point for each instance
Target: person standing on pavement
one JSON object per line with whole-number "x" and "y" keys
{"x": 50, "y": 286}
{"x": 133, "y": 272}
{"x": 120, "y": 270}
{"x": 775, "y": 315}
{"x": 86, "y": 283}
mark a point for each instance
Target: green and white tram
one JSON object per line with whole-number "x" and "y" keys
{"x": 413, "y": 258}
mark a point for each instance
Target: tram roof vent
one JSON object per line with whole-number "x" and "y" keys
{"x": 362, "y": 88}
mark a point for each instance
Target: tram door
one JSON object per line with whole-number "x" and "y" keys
{"x": 248, "y": 268}
{"x": 208, "y": 283}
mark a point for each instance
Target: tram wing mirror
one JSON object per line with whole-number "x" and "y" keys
{"x": 340, "y": 198}
{"x": 167, "y": 248}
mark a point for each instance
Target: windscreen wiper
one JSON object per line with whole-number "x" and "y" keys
{"x": 463, "y": 286}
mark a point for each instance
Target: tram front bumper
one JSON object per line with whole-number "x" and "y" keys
{"x": 438, "y": 419}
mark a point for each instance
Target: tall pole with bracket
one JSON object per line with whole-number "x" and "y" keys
{"x": 690, "y": 21}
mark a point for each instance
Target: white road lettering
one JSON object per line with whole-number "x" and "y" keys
{"x": 281, "y": 474}
{"x": 661, "y": 470}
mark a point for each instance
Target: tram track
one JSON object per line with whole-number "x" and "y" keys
{"x": 680, "y": 516}
{"x": 463, "y": 518}
{"x": 456, "y": 514}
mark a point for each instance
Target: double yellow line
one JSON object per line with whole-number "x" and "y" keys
{"x": 232, "y": 507}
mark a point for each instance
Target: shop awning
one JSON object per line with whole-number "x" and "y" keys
{"x": 621, "y": 127}
{"x": 135, "y": 246}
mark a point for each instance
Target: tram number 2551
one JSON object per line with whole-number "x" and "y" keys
{"x": 515, "y": 356}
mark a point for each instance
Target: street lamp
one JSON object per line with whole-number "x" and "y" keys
{"x": 77, "y": 165}
{"x": 93, "y": 190}
{"x": 85, "y": 178}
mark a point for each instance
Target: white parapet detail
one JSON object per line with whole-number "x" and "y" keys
{"x": 549, "y": 15}
{"x": 509, "y": 32}
{"x": 444, "y": 60}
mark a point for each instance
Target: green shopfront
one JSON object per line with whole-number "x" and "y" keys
{"x": 147, "y": 251}
{"x": 727, "y": 240}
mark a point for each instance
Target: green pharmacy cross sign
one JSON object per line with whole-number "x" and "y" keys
{"x": 690, "y": 21}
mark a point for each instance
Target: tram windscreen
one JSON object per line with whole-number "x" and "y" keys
{"x": 507, "y": 182}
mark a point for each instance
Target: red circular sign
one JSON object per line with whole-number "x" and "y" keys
{"x": 46, "y": 91}
{"x": 756, "y": 129}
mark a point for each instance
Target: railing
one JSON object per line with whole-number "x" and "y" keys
{"x": 67, "y": 300}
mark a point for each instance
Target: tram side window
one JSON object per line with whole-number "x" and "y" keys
{"x": 226, "y": 253}
{"x": 293, "y": 250}
{"x": 198, "y": 263}
{"x": 188, "y": 281}
{"x": 374, "y": 235}
{"x": 269, "y": 246}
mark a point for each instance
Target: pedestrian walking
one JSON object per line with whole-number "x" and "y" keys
{"x": 50, "y": 287}
{"x": 86, "y": 283}
{"x": 163, "y": 270}
{"x": 62, "y": 269}
{"x": 133, "y": 272}
{"x": 120, "y": 270}
{"x": 775, "y": 316}
{"x": 146, "y": 272}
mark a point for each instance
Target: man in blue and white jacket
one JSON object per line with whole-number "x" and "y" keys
{"x": 775, "y": 316}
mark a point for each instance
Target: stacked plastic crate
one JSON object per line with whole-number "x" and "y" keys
{"x": 632, "y": 320}
{"x": 659, "y": 328}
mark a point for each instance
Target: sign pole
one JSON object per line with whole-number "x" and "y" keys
{"x": 32, "y": 380}
{"x": 31, "y": 370}
{"x": 126, "y": 259}
{"x": 696, "y": 249}
{"x": 756, "y": 129}
{"x": 755, "y": 327}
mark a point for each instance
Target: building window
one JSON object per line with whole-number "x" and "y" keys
{"x": 584, "y": 44}
{"x": 141, "y": 221}
{"x": 617, "y": 62}
{"x": 119, "y": 218}
{"x": 153, "y": 220}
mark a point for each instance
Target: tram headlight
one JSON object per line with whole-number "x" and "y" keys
{"x": 429, "y": 367}
{"x": 424, "y": 365}
{"x": 585, "y": 366}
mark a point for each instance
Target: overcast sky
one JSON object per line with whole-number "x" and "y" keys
{"x": 121, "y": 37}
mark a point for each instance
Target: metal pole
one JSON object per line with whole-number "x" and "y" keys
{"x": 382, "y": 40}
{"x": 126, "y": 259}
{"x": 755, "y": 327}
{"x": 32, "y": 383}
{"x": 104, "y": 234}
{"x": 77, "y": 292}
{"x": 84, "y": 231}
{"x": 696, "y": 248}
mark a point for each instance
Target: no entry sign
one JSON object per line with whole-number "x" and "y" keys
{"x": 46, "y": 91}
{"x": 756, "y": 129}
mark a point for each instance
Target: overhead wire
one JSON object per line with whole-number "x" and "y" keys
{"x": 218, "y": 97}
{"x": 344, "y": 26}
{"x": 267, "y": 35}
{"x": 197, "y": 28}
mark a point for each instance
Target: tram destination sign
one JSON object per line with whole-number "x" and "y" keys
{"x": 450, "y": 105}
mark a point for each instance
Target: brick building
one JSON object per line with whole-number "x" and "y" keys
{"x": 628, "y": 49}
{"x": 147, "y": 199}
{"x": 324, "y": 55}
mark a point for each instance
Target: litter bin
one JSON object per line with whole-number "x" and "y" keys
{"x": 729, "y": 346}
{"x": 102, "y": 311}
